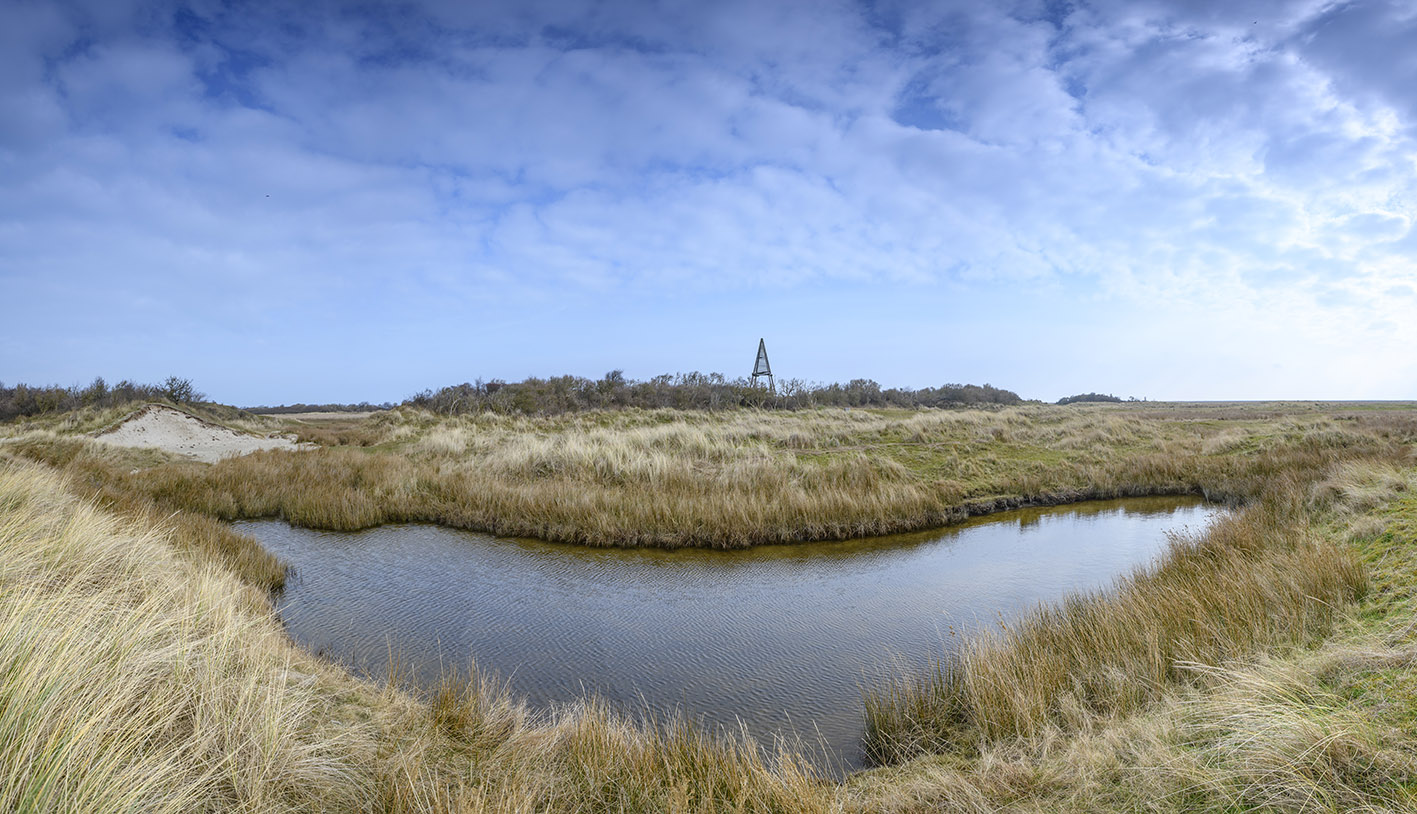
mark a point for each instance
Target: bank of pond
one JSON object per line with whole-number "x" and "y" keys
{"x": 777, "y": 641}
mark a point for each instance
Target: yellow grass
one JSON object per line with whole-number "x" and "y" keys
{"x": 1301, "y": 728}
{"x": 738, "y": 478}
{"x": 133, "y": 677}
{"x": 1253, "y": 580}
{"x": 141, "y": 666}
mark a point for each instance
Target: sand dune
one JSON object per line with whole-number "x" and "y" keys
{"x": 183, "y": 434}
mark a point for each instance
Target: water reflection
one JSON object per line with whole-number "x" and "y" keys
{"x": 780, "y": 638}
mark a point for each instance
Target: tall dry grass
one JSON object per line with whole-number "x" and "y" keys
{"x": 1281, "y": 734}
{"x": 134, "y": 677}
{"x": 1130, "y": 700}
{"x": 727, "y": 479}
{"x": 1252, "y": 581}
{"x": 1307, "y": 727}
{"x": 110, "y": 476}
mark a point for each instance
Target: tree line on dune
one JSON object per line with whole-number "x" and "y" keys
{"x": 25, "y": 400}
{"x": 691, "y": 391}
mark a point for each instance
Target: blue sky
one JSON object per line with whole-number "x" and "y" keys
{"x": 337, "y": 202}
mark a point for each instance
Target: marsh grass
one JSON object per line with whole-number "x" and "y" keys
{"x": 1288, "y": 742}
{"x": 1281, "y": 733}
{"x": 1254, "y": 580}
{"x": 132, "y": 678}
{"x": 138, "y": 672}
{"x": 1257, "y": 579}
{"x": 729, "y": 480}
{"x": 110, "y": 476}
{"x": 1306, "y": 727}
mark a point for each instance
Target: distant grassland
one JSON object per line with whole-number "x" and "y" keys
{"x": 1269, "y": 663}
{"x": 730, "y": 479}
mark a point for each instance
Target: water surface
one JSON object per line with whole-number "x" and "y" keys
{"x": 779, "y": 638}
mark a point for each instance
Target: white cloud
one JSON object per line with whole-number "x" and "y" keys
{"x": 1246, "y": 163}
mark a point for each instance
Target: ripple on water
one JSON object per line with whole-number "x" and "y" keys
{"x": 781, "y": 638}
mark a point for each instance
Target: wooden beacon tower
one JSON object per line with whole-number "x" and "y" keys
{"x": 762, "y": 368}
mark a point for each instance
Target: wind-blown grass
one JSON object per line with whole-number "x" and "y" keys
{"x": 134, "y": 677}
{"x": 131, "y": 679}
{"x": 108, "y": 475}
{"x": 1254, "y": 580}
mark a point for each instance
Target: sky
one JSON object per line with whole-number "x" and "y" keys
{"x": 337, "y": 202}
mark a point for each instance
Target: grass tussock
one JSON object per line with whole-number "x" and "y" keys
{"x": 133, "y": 679}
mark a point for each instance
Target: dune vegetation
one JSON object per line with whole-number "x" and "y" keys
{"x": 728, "y": 478}
{"x": 1265, "y": 663}
{"x": 136, "y": 675}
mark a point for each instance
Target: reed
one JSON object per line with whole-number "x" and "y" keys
{"x": 1254, "y": 580}
{"x": 1309, "y": 726}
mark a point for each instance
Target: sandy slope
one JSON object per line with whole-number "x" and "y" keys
{"x": 175, "y": 431}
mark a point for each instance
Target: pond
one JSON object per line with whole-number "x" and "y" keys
{"x": 774, "y": 640}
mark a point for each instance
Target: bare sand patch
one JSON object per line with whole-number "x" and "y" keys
{"x": 177, "y": 432}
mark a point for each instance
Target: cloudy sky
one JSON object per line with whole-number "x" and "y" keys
{"x": 1197, "y": 199}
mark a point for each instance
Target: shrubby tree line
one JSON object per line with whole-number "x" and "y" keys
{"x": 697, "y": 391}
{"x": 560, "y": 394}
{"x": 25, "y": 400}
{"x": 1090, "y": 397}
{"x": 1084, "y": 397}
